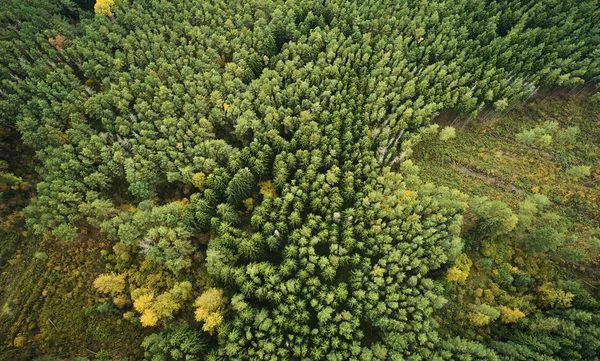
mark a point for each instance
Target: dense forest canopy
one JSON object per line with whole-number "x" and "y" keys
{"x": 245, "y": 167}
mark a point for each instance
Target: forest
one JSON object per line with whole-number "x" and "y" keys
{"x": 332, "y": 180}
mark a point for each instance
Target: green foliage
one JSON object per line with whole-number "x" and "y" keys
{"x": 10, "y": 180}
{"x": 179, "y": 343}
{"x": 327, "y": 268}
{"x": 447, "y": 133}
{"x": 461, "y": 349}
{"x": 501, "y": 104}
{"x": 100, "y": 309}
{"x": 258, "y": 152}
{"x": 580, "y": 171}
{"x": 103, "y": 355}
{"x": 542, "y": 135}
{"x": 568, "y": 135}
{"x": 240, "y": 187}
{"x": 41, "y": 256}
{"x": 482, "y": 315}
{"x": 492, "y": 218}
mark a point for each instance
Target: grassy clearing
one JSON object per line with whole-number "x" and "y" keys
{"x": 486, "y": 159}
{"x": 489, "y": 158}
{"x": 46, "y": 296}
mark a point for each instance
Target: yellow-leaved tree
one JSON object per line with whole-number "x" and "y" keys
{"x": 510, "y": 315}
{"x": 554, "y": 297}
{"x": 461, "y": 269}
{"x": 210, "y": 309}
{"x": 482, "y": 315}
{"x": 104, "y": 7}
{"x": 164, "y": 306}
{"x": 110, "y": 283}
